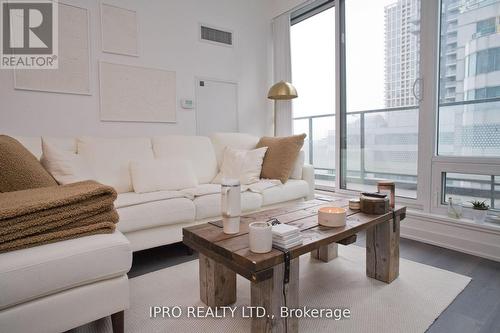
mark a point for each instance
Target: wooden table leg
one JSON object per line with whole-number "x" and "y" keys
{"x": 382, "y": 251}
{"x": 217, "y": 283}
{"x": 326, "y": 253}
{"x": 272, "y": 294}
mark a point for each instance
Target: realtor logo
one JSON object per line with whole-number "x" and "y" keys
{"x": 29, "y": 34}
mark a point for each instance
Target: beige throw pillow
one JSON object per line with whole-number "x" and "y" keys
{"x": 281, "y": 155}
{"x": 244, "y": 165}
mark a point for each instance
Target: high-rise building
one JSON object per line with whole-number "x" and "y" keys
{"x": 469, "y": 77}
{"x": 449, "y": 47}
{"x": 402, "y": 25}
{"x": 469, "y": 47}
{"x": 470, "y": 50}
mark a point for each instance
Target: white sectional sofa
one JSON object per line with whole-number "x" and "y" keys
{"x": 44, "y": 288}
{"x": 157, "y": 218}
{"x": 59, "y": 286}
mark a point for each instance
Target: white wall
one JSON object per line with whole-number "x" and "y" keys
{"x": 168, "y": 39}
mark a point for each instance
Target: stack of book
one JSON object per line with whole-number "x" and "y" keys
{"x": 286, "y": 236}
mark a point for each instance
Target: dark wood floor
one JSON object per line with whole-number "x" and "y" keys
{"x": 476, "y": 309}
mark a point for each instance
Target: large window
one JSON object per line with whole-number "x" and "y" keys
{"x": 417, "y": 92}
{"x": 382, "y": 45}
{"x": 469, "y": 79}
{"x": 312, "y": 38}
{"x": 468, "y": 132}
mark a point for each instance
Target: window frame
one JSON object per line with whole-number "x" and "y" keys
{"x": 440, "y": 164}
{"x": 309, "y": 10}
{"x": 340, "y": 121}
{"x": 455, "y": 167}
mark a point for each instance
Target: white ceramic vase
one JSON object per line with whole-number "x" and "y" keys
{"x": 231, "y": 205}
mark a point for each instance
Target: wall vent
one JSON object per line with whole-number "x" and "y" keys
{"x": 216, "y": 35}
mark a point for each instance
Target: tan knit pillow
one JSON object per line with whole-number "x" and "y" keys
{"x": 281, "y": 155}
{"x": 20, "y": 169}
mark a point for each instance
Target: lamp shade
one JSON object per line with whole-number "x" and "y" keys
{"x": 282, "y": 90}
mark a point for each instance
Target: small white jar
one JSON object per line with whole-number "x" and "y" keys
{"x": 261, "y": 237}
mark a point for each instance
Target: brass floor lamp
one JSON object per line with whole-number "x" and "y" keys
{"x": 283, "y": 91}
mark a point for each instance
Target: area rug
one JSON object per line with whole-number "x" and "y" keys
{"x": 409, "y": 304}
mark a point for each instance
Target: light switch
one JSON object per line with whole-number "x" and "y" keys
{"x": 187, "y": 103}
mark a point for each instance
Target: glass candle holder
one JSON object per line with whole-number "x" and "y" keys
{"x": 388, "y": 187}
{"x": 455, "y": 208}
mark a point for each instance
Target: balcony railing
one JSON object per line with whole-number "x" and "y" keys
{"x": 381, "y": 144}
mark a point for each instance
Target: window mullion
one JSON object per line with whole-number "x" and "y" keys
{"x": 429, "y": 55}
{"x": 339, "y": 88}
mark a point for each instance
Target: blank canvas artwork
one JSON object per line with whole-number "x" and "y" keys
{"x": 119, "y": 30}
{"x": 130, "y": 93}
{"x": 73, "y": 73}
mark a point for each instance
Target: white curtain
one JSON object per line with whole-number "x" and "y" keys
{"x": 282, "y": 70}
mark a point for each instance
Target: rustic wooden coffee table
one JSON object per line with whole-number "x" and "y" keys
{"x": 275, "y": 279}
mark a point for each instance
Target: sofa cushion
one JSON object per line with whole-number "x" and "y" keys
{"x": 299, "y": 164}
{"x": 132, "y": 199}
{"x": 281, "y": 155}
{"x": 43, "y": 270}
{"x": 196, "y": 149}
{"x": 232, "y": 140}
{"x": 162, "y": 174}
{"x": 210, "y": 205}
{"x": 155, "y": 213}
{"x": 62, "y": 143}
{"x": 293, "y": 189}
{"x": 20, "y": 169}
{"x": 65, "y": 166}
{"x": 109, "y": 159}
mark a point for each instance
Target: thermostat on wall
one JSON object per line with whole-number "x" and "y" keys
{"x": 187, "y": 103}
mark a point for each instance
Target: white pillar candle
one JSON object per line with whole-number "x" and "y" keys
{"x": 332, "y": 216}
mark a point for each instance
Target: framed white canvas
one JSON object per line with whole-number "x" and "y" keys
{"x": 73, "y": 73}
{"x": 139, "y": 94}
{"x": 119, "y": 30}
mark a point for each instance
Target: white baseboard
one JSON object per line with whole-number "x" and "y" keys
{"x": 463, "y": 237}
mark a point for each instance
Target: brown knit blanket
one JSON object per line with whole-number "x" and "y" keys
{"x": 49, "y": 214}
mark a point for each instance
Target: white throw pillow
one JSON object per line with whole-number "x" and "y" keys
{"x": 244, "y": 165}
{"x": 66, "y": 167}
{"x": 222, "y": 140}
{"x": 162, "y": 175}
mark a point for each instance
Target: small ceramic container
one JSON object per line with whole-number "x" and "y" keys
{"x": 261, "y": 237}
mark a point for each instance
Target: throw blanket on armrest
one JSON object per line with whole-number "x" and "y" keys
{"x": 44, "y": 215}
